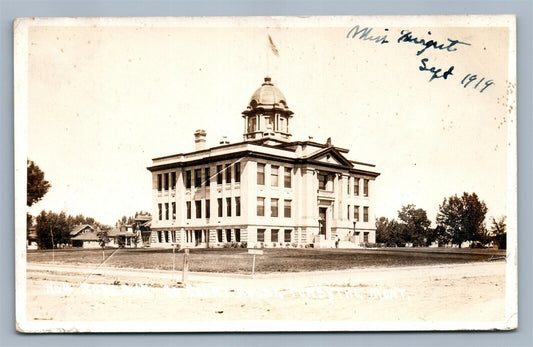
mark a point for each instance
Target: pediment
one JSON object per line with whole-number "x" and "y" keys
{"x": 330, "y": 156}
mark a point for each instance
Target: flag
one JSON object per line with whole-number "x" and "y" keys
{"x": 273, "y": 46}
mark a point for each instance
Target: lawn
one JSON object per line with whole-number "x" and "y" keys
{"x": 274, "y": 260}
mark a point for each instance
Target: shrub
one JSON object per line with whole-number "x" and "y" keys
{"x": 244, "y": 244}
{"x": 227, "y": 245}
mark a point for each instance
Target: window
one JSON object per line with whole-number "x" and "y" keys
{"x": 260, "y": 206}
{"x": 365, "y": 214}
{"x": 208, "y": 208}
{"x": 288, "y": 235}
{"x": 198, "y": 208}
{"x": 219, "y": 202}
{"x": 283, "y": 125}
{"x": 356, "y": 186}
{"x": 348, "y": 212}
{"x": 166, "y": 236}
{"x": 237, "y": 235}
{"x": 228, "y": 235}
{"x": 237, "y": 206}
{"x": 274, "y": 207}
{"x": 219, "y": 235}
{"x": 166, "y": 211}
{"x": 365, "y": 237}
{"x": 198, "y": 178}
{"x": 173, "y": 210}
{"x": 365, "y": 187}
{"x": 159, "y": 236}
{"x": 207, "y": 177}
{"x": 274, "y": 235}
{"x": 187, "y": 179}
{"x": 260, "y": 235}
{"x": 251, "y": 124}
{"x": 173, "y": 233}
{"x": 356, "y": 213}
{"x": 160, "y": 209}
{"x": 287, "y": 208}
{"x": 269, "y": 123}
{"x": 287, "y": 182}
{"x": 274, "y": 176}
{"x": 237, "y": 172}
{"x": 188, "y": 209}
{"x": 348, "y": 187}
{"x": 261, "y": 174}
{"x": 159, "y": 184}
{"x": 219, "y": 174}
{"x": 322, "y": 181}
{"x": 228, "y": 207}
{"x": 166, "y": 181}
{"x": 173, "y": 180}
{"x": 228, "y": 173}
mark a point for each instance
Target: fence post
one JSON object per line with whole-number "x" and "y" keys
{"x": 185, "y": 265}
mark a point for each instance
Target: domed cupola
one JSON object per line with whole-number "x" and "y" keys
{"x": 267, "y": 114}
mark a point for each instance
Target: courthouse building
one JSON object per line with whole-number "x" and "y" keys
{"x": 266, "y": 191}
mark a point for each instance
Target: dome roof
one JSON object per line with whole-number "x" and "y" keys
{"x": 268, "y": 95}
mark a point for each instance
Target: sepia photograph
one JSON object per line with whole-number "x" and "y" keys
{"x": 242, "y": 174}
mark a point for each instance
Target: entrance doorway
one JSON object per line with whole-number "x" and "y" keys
{"x": 322, "y": 213}
{"x": 197, "y": 237}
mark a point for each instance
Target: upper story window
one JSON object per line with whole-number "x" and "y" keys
{"x": 166, "y": 211}
{"x": 188, "y": 179}
{"x": 219, "y": 206}
{"x": 228, "y": 173}
{"x": 283, "y": 125}
{"x": 274, "y": 207}
{"x": 228, "y": 207}
{"x": 237, "y": 206}
{"x": 356, "y": 186}
{"x": 365, "y": 187}
{"x": 173, "y": 180}
{"x": 287, "y": 209}
{"x": 219, "y": 174}
{"x": 260, "y": 206}
{"x": 165, "y": 176}
{"x": 365, "y": 214}
{"x": 252, "y": 124}
{"x": 198, "y": 208}
{"x": 274, "y": 173}
{"x": 188, "y": 203}
{"x": 287, "y": 181}
{"x": 207, "y": 177}
{"x": 198, "y": 178}
{"x": 159, "y": 183}
{"x": 173, "y": 210}
{"x": 207, "y": 208}
{"x": 160, "y": 211}
{"x": 237, "y": 172}
{"x": 260, "y": 173}
{"x": 356, "y": 213}
{"x": 323, "y": 180}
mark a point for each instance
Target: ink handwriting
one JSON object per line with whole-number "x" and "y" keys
{"x": 364, "y": 34}
{"x": 435, "y": 72}
{"x": 408, "y": 37}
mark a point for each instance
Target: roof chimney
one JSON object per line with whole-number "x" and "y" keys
{"x": 199, "y": 139}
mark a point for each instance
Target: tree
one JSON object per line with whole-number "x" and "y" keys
{"x": 388, "y": 232}
{"x": 463, "y": 219}
{"x": 52, "y": 229}
{"x": 415, "y": 225}
{"x": 499, "y": 232}
{"x": 103, "y": 239}
{"x": 37, "y": 186}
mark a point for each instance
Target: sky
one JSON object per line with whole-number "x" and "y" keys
{"x": 105, "y": 97}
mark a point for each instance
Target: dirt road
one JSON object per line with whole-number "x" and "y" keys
{"x": 470, "y": 292}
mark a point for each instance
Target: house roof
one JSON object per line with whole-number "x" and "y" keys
{"x": 80, "y": 227}
{"x": 88, "y": 236}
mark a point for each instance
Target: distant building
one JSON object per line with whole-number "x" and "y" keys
{"x": 267, "y": 191}
{"x": 84, "y": 236}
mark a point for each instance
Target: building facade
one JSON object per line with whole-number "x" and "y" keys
{"x": 267, "y": 191}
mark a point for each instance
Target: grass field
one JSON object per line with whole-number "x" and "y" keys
{"x": 274, "y": 260}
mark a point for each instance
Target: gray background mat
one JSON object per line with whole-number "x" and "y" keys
{"x": 10, "y": 9}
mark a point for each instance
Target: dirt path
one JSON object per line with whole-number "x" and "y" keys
{"x": 469, "y": 292}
